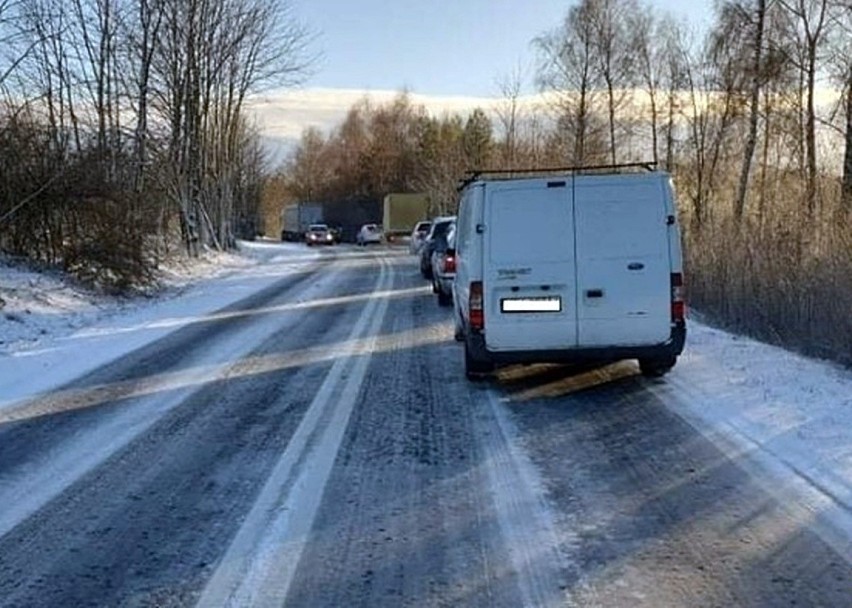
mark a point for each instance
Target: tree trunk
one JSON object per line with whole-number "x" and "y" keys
{"x": 611, "y": 100}
{"x": 810, "y": 134}
{"x": 764, "y": 162}
{"x": 654, "y": 120}
{"x": 580, "y": 138}
{"x": 670, "y": 131}
{"x": 847, "y": 159}
{"x": 751, "y": 141}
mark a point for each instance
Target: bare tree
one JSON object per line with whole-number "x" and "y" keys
{"x": 211, "y": 56}
{"x": 509, "y": 114}
{"x": 307, "y": 168}
{"x": 672, "y": 59}
{"x": 810, "y": 19}
{"x": 568, "y": 69}
{"x": 659, "y": 65}
{"x": 613, "y": 48}
{"x": 142, "y": 39}
{"x": 477, "y": 139}
{"x": 11, "y": 51}
{"x": 842, "y": 67}
{"x": 847, "y": 156}
{"x": 759, "y": 20}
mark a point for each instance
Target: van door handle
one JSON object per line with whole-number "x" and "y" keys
{"x": 594, "y": 293}
{"x": 635, "y": 266}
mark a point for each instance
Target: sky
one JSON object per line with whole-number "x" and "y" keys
{"x": 436, "y": 47}
{"x": 450, "y": 54}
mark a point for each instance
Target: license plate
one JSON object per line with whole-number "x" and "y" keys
{"x": 551, "y": 304}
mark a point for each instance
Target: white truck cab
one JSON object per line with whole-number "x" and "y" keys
{"x": 582, "y": 264}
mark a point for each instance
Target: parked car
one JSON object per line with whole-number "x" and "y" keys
{"x": 569, "y": 267}
{"x": 444, "y": 269}
{"x": 319, "y": 234}
{"x": 418, "y": 237}
{"x": 369, "y": 233}
{"x": 437, "y": 238}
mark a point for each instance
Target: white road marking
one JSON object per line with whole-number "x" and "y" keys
{"x": 259, "y": 565}
{"x": 26, "y": 489}
{"x": 525, "y": 519}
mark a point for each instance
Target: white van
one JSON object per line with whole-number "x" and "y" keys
{"x": 582, "y": 265}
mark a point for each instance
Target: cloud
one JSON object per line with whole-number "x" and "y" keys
{"x": 284, "y": 115}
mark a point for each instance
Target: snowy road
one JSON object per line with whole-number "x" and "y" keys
{"x": 313, "y": 442}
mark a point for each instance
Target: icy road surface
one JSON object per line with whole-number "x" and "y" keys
{"x": 300, "y": 433}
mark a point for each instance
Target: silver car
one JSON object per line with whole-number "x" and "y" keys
{"x": 418, "y": 237}
{"x": 369, "y": 233}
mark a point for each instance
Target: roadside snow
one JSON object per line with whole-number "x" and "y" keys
{"x": 787, "y": 417}
{"x": 46, "y": 305}
{"x": 52, "y": 331}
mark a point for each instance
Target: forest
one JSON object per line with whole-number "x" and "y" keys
{"x": 124, "y": 131}
{"x": 753, "y": 118}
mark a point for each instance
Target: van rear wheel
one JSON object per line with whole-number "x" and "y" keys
{"x": 475, "y": 370}
{"x": 655, "y": 368}
{"x": 458, "y": 329}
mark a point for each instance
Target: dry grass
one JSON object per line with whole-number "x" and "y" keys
{"x": 786, "y": 279}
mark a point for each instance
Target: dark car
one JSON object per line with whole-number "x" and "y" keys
{"x": 437, "y": 240}
{"x": 444, "y": 269}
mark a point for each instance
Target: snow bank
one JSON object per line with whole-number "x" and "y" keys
{"x": 52, "y": 330}
{"x": 788, "y": 416}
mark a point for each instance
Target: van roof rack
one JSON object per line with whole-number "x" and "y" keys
{"x": 497, "y": 174}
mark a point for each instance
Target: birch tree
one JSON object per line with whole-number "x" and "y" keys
{"x": 810, "y": 22}
{"x": 613, "y": 47}
{"x": 509, "y": 115}
{"x": 758, "y": 22}
{"x": 568, "y": 69}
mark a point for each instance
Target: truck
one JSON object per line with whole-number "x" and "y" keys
{"x": 346, "y": 216}
{"x": 402, "y": 210}
{"x": 296, "y": 218}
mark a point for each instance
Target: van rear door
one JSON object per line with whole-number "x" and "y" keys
{"x": 529, "y": 272}
{"x": 623, "y": 266}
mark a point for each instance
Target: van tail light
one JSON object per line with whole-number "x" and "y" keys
{"x": 678, "y": 302}
{"x": 449, "y": 262}
{"x": 477, "y": 316}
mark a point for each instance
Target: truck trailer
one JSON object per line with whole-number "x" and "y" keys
{"x": 402, "y": 211}
{"x": 348, "y": 215}
{"x": 296, "y": 218}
